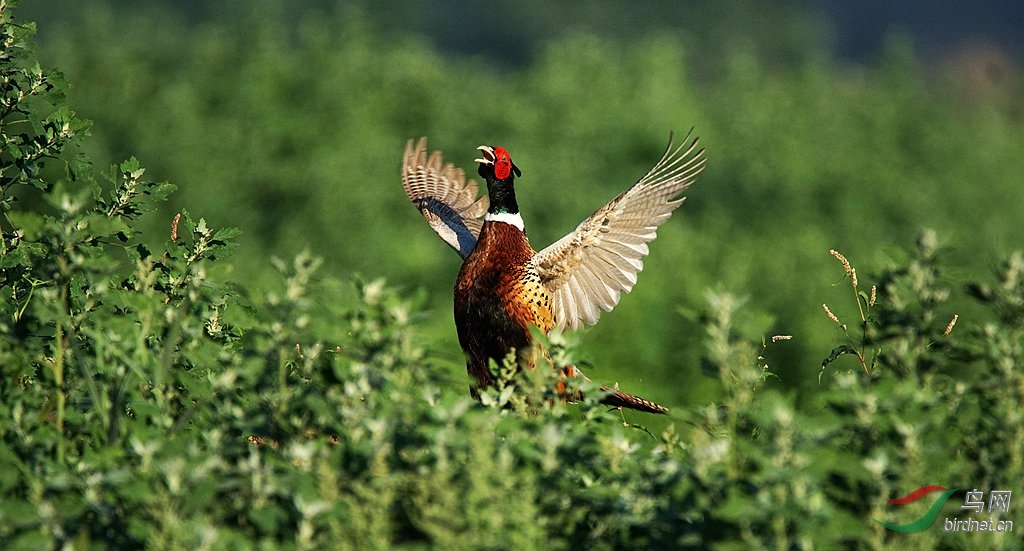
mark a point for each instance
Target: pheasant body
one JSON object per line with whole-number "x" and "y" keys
{"x": 504, "y": 286}
{"x": 498, "y": 296}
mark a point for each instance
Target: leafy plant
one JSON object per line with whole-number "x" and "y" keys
{"x": 155, "y": 397}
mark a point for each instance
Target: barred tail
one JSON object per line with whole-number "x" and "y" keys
{"x": 620, "y": 399}
{"x": 617, "y": 398}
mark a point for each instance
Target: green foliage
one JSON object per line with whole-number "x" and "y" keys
{"x": 289, "y": 124}
{"x": 155, "y": 396}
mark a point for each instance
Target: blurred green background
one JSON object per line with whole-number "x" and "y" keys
{"x": 826, "y": 127}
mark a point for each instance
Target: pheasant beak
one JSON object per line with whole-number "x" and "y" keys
{"x": 488, "y": 158}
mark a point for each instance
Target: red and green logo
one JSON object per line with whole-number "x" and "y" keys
{"x": 929, "y": 516}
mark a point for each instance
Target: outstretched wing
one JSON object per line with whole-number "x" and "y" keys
{"x": 588, "y": 270}
{"x": 444, "y": 197}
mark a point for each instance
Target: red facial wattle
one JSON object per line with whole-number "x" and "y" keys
{"x": 502, "y": 163}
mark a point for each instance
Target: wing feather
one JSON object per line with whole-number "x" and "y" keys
{"x": 588, "y": 270}
{"x": 443, "y": 195}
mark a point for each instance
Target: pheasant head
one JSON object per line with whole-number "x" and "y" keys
{"x": 496, "y": 163}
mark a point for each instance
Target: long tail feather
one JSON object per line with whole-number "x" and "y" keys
{"x": 617, "y": 398}
{"x": 620, "y": 399}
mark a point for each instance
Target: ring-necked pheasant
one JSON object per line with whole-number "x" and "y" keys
{"x": 505, "y": 286}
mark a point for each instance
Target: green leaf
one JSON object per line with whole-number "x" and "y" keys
{"x": 226, "y": 234}
{"x": 29, "y": 222}
{"x": 37, "y": 125}
{"x": 838, "y": 351}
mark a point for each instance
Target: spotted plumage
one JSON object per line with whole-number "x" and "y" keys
{"x": 504, "y": 286}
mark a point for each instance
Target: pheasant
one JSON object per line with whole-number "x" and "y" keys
{"x": 505, "y": 286}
